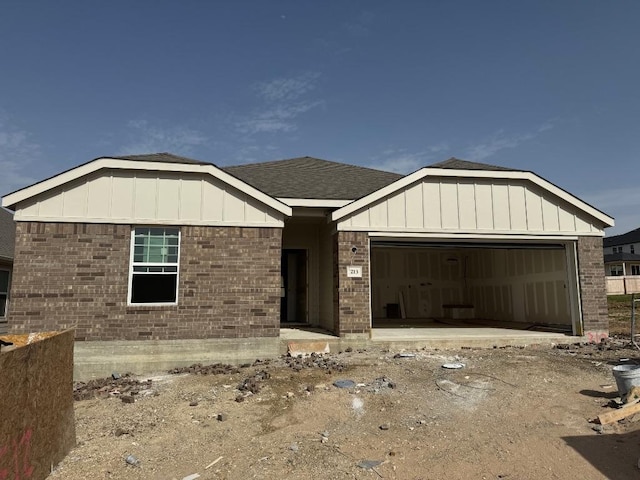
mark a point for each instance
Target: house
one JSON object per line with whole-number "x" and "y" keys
{"x": 156, "y": 257}
{"x": 7, "y": 240}
{"x": 622, "y": 254}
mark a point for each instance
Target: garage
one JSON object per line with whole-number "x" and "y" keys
{"x": 462, "y": 244}
{"x": 508, "y": 285}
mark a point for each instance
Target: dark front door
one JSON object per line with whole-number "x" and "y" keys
{"x": 293, "y": 301}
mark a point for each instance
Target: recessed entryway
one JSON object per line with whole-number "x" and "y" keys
{"x": 294, "y": 286}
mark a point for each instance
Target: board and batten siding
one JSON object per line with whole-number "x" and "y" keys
{"x": 116, "y": 196}
{"x": 471, "y": 205}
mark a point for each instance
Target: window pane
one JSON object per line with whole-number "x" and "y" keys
{"x": 3, "y": 305}
{"x": 152, "y": 288}
{"x": 4, "y": 281}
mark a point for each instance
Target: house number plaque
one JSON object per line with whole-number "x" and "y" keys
{"x": 354, "y": 272}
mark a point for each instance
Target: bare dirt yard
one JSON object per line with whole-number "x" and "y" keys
{"x": 509, "y": 413}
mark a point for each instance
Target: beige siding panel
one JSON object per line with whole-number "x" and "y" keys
{"x": 449, "y": 205}
{"x": 361, "y": 219}
{"x": 397, "y": 214}
{"x": 484, "y": 207}
{"x": 414, "y": 208}
{"x": 431, "y": 205}
{"x": 567, "y": 220}
{"x": 168, "y": 198}
{"x": 234, "y": 207}
{"x": 501, "y": 215}
{"x": 146, "y": 197}
{"x": 582, "y": 226}
{"x": 99, "y": 201}
{"x": 213, "y": 198}
{"x": 30, "y": 209}
{"x": 191, "y": 199}
{"x": 517, "y": 208}
{"x": 75, "y": 201}
{"x": 378, "y": 215}
{"x": 51, "y": 206}
{"x": 467, "y": 206}
{"x": 533, "y": 203}
{"x": 550, "y": 216}
{"x": 122, "y": 197}
{"x": 253, "y": 212}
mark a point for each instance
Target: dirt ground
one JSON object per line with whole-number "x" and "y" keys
{"x": 509, "y": 413}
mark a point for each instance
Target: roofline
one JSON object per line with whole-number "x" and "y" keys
{"x": 100, "y": 163}
{"x": 447, "y": 172}
{"x": 314, "y": 202}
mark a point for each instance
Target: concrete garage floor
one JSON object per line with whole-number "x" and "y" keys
{"x": 422, "y": 334}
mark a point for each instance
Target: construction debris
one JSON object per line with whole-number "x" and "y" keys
{"x": 105, "y": 387}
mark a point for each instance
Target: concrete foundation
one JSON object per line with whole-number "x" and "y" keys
{"x": 100, "y": 359}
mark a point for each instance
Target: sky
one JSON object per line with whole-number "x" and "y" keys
{"x": 548, "y": 86}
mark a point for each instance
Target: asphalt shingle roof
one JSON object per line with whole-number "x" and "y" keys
{"x": 308, "y": 177}
{"x": 163, "y": 157}
{"x": 630, "y": 237}
{"x": 7, "y": 234}
{"x": 621, "y": 257}
{"x": 457, "y": 164}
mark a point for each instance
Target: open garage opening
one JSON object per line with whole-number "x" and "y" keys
{"x": 524, "y": 286}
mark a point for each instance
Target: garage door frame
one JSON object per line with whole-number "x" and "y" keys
{"x": 569, "y": 243}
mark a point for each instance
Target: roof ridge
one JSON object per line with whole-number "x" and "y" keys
{"x": 459, "y": 163}
{"x": 306, "y": 157}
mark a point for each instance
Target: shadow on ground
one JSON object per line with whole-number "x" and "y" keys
{"x": 614, "y": 455}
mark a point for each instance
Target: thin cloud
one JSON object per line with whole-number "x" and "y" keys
{"x": 501, "y": 141}
{"x": 18, "y": 152}
{"x": 283, "y": 101}
{"x": 619, "y": 202}
{"x": 147, "y": 138}
{"x": 287, "y": 89}
{"x": 361, "y": 27}
{"x": 401, "y": 161}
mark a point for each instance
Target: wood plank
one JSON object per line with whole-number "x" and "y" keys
{"x": 619, "y": 414}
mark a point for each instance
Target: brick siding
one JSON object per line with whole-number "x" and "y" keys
{"x": 351, "y": 295}
{"x": 592, "y": 287}
{"x": 76, "y": 275}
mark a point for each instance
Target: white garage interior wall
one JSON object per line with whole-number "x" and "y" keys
{"x": 524, "y": 285}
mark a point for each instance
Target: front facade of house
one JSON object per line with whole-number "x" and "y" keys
{"x": 158, "y": 248}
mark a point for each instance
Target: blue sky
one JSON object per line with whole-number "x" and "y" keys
{"x": 548, "y": 86}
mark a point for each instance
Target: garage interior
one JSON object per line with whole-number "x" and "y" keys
{"x": 521, "y": 286}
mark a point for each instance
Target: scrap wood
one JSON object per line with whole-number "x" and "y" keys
{"x": 213, "y": 463}
{"x": 619, "y": 414}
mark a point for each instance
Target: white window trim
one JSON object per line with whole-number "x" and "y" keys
{"x": 131, "y": 265}
{"x": 6, "y": 308}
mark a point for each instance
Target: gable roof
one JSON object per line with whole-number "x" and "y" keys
{"x": 7, "y": 234}
{"x": 623, "y": 239}
{"x": 458, "y": 164}
{"x": 471, "y": 170}
{"x": 150, "y": 162}
{"x": 312, "y": 178}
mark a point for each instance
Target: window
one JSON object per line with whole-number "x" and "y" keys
{"x": 154, "y": 265}
{"x": 4, "y": 292}
{"x": 633, "y": 248}
{"x": 616, "y": 270}
{"x": 635, "y": 269}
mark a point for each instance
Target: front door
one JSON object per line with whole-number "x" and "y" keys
{"x": 293, "y": 301}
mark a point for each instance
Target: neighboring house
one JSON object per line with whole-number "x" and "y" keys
{"x": 7, "y": 239}
{"x": 157, "y": 249}
{"x": 622, "y": 254}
